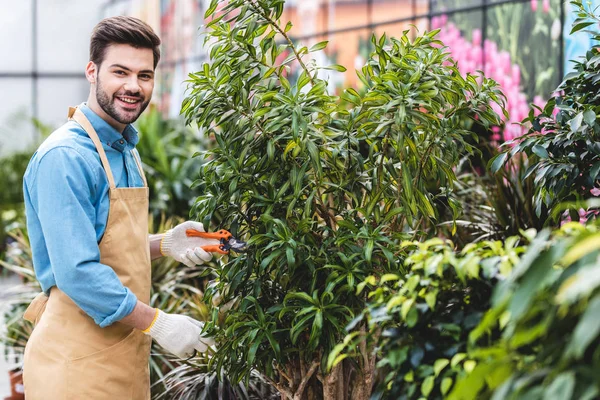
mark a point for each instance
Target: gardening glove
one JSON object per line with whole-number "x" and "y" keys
{"x": 187, "y": 250}
{"x": 178, "y": 334}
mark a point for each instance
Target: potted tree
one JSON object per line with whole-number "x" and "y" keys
{"x": 322, "y": 187}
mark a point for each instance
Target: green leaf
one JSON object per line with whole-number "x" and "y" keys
{"x": 579, "y": 285}
{"x": 427, "y": 386}
{"x": 288, "y": 26}
{"x": 469, "y": 365}
{"x": 439, "y": 365}
{"x": 458, "y": 357}
{"x": 575, "y": 123}
{"x": 211, "y": 8}
{"x": 318, "y": 46}
{"x": 406, "y": 306}
{"x": 561, "y": 387}
{"x": 589, "y": 116}
{"x": 430, "y": 299}
{"x": 336, "y": 67}
{"x": 446, "y": 385}
{"x": 580, "y": 26}
{"x": 540, "y": 151}
{"x": 586, "y": 331}
{"x": 582, "y": 248}
{"x": 497, "y": 162}
{"x": 369, "y": 249}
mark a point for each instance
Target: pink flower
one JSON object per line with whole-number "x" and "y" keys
{"x": 545, "y": 6}
{"x": 534, "y": 4}
{"x": 477, "y": 37}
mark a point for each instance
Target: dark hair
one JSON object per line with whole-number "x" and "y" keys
{"x": 122, "y": 30}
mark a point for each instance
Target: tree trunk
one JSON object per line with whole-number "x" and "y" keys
{"x": 330, "y": 384}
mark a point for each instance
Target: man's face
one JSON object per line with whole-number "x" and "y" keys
{"x": 124, "y": 82}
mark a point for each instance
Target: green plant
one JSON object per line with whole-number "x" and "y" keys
{"x": 12, "y": 213}
{"x": 563, "y": 149}
{"x": 179, "y": 289}
{"x": 547, "y": 312}
{"x": 16, "y": 331}
{"x": 323, "y": 193}
{"x": 421, "y": 320}
{"x": 494, "y": 206}
{"x": 166, "y": 147}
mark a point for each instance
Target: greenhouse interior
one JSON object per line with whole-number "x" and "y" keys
{"x": 300, "y": 199}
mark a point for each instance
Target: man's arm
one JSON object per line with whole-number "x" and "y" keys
{"x": 155, "y": 246}
{"x": 141, "y": 317}
{"x": 61, "y": 191}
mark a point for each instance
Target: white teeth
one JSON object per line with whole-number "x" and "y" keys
{"x": 128, "y": 100}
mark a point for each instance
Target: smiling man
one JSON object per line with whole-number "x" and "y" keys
{"x": 86, "y": 202}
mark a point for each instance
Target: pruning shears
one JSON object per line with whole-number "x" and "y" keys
{"x": 226, "y": 241}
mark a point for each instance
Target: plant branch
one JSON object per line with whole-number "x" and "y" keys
{"x": 305, "y": 379}
{"x": 283, "y": 390}
{"x": 286, "y": 376}
{"x": 282, "y": 33}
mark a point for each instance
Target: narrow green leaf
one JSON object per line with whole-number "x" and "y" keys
{"x": 497, "y": 162}
{"x": 336, "y": 67}
{"x": 319, "y": 46}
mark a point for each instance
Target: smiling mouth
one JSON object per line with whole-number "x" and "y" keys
{"x": 129, "y": 102}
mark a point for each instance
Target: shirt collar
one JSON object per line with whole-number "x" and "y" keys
{"x": 108, "y": 134}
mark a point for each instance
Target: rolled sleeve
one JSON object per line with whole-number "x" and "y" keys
{"x": 62, "y": 192}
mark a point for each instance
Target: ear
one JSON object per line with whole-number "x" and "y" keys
{"x": 91, "y": 70}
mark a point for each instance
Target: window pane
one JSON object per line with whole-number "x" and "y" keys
{"x": 447, "y": 5}
{"x": 15, "y": 36}
{"x": 16, "y": 129}
{"x": 347, "y": 13}
{"x": 525, "y": 47}
{"x": 351, "y": 50}
{"x": 392, "y": 10}
{"x": 55, "y": 95}
{"x": 64, "y": 34}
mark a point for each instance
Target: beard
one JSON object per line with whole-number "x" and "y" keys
{"x": 118, "y": 113}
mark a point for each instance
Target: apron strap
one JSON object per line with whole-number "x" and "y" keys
{"x": 79, "y": 117}
{"x": 139, "y": 164}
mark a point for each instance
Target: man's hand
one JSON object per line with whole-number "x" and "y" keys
{"x": 178, "y": 334}
{"x": 186, "y": 250}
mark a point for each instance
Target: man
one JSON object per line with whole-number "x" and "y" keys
{"x": 86, "y": 203}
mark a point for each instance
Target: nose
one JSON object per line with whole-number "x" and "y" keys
{"x": 132, "y": 85}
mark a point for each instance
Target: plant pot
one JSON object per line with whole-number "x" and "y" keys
{"x": 17, "y": 391}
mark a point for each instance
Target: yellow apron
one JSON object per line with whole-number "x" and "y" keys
{"x": 68, "y": 356}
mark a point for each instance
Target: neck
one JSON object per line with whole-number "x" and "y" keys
{"x": 95, "y": 107}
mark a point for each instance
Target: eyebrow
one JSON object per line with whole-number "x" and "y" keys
{"x": 145, "y": 71}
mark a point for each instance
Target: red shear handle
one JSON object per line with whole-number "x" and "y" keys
{"x": 222, "y": 234}
{"x": 214, "y": 249}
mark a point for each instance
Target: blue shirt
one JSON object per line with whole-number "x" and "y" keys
{"x": 66, "y": 204}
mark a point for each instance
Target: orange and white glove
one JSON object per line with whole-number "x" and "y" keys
{"x": 187, "y": 250}
{"x": 178, "y": 334}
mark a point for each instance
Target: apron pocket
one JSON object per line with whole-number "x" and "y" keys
{"x": 105, "y": 374}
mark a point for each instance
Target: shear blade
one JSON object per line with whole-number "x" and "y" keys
{"x": 236, "y": 245}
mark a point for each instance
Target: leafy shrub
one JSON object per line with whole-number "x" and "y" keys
{"x": 323, "y": 188}
{"x": 421, "y": 320}
{"x": 547, "y": 311}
